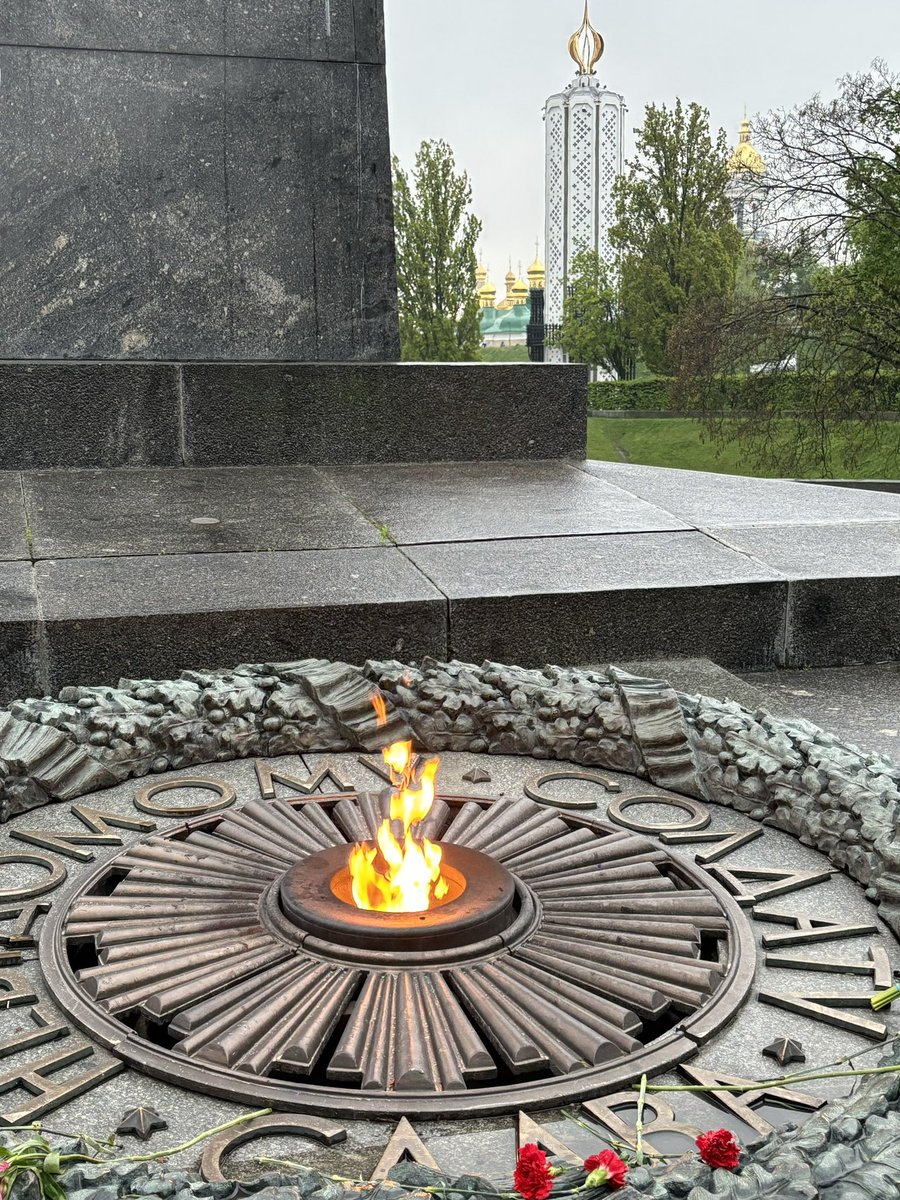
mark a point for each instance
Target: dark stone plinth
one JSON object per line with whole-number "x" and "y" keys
{"x": 200, "y": 182}
{"x": 844, "y": 621}
{"x": 388, "y": 412}
{"x": 21, "y": 672}
{"x": 109, "y": 617}
{"x": 88, "y": 414}
{"x": 209, "y": 414}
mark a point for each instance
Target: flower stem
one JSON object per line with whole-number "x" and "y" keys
{"x": 639, "y": 1123}
{"x": 201, "y": 1137}
{"x": 756, "y": 1084}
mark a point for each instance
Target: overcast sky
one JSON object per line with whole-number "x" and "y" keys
{"x": 477, "y": 73}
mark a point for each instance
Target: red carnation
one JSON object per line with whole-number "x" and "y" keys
{"x": 605, "y": 1168}
{"x": 719, "y": 1148}
{"x": 533, "y": 1179}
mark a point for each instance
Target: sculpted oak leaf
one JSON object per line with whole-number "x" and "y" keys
{"x": 867, "y": 1168}
{"x": 758, "y": 751}
{"x": 756, "y": 1183}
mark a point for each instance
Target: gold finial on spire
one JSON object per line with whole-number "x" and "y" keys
{"x": 586, "y": 45}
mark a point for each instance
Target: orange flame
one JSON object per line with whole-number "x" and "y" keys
{"x": 400, "y": 874}
{"x": 378, "y": 703}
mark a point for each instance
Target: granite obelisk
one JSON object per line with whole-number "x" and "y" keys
{"x": 195, "y": 181}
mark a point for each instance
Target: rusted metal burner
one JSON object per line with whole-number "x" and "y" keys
{"x": 567, "y": 958}
{"x": 316, "y": 895}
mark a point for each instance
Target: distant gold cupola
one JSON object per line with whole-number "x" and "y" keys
{"x": 586, "y": 45}
{"x": 509, "y": 299}
{"x": 746, "y": 157}
{"x": 537, "y": 274}
{"x": 519, "y": 290}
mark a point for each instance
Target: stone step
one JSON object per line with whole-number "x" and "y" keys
{"x": 109, "y": 573}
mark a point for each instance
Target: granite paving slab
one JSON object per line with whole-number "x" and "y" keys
{"x": 479, "y": 501}
{"x": 861, "y": 704}
{"x": 555, "y": 566}
{"x": 708, "y": 500}
{"x": 13, "y": 524}
{"x": 823, "y": 551}
{"x": 843, "y": 621}
{"x": 737, "y": 625}
{"x": 845, "y": 590}
{"x": 148, "y": 568}
{"x": 122, "y": 616}
{"x": 91, "y": 514}
{"x": 593, "y": 599}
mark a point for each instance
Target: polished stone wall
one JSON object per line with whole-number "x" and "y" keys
{"x": 195, "y": 181}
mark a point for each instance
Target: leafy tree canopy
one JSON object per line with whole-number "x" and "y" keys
{"x": 675, "y": 230}
{"x": 825, "y": 310}
{"x": 436, "y": 238}
{"x": 594, "y": 330}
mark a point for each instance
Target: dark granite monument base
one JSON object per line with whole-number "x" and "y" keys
{"x": 57, "y": 414}
{"x": 109, "y": 573}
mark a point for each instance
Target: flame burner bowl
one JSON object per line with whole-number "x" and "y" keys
{"x": 569, "y": 957}
{"x": 315, "y": 896}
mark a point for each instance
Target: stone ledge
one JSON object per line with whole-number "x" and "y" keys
{"x": 118, "y": 414}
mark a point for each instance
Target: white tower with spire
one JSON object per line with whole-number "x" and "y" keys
{"x": 585, "y": 139}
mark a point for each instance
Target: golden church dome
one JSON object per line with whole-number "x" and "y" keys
{"x": 537, "y": 274}
{"x": 519, "y": 292}
{"x": 481, "y": 275}
{"x": 746, "y": 157}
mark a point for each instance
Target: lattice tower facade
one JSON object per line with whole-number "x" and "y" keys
{"x": 585, "y": 152}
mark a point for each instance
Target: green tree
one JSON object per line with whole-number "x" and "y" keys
{"x": 436, "y": 239}
{"x": 824, "y": 320}
{"x": 594, "y": 330}
{"x": 675, "y": 230}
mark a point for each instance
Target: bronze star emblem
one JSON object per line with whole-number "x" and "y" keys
{"x": 785, "y": 1050}
{"x": 141, "y": 1122}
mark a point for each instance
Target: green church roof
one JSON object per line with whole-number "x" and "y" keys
{"x": 509, "y": 321}
{"x": 516, "y": 320}
{"x": 488, "y": 318}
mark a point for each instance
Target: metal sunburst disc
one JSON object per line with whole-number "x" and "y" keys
{"x": 571, "y": 957}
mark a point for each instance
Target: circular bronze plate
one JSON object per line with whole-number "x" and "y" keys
{"x": 619, "y": 957}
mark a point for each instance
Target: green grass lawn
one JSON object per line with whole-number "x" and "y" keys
{"x": 683, "y": 443}
{"x": 504, "y": 354}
